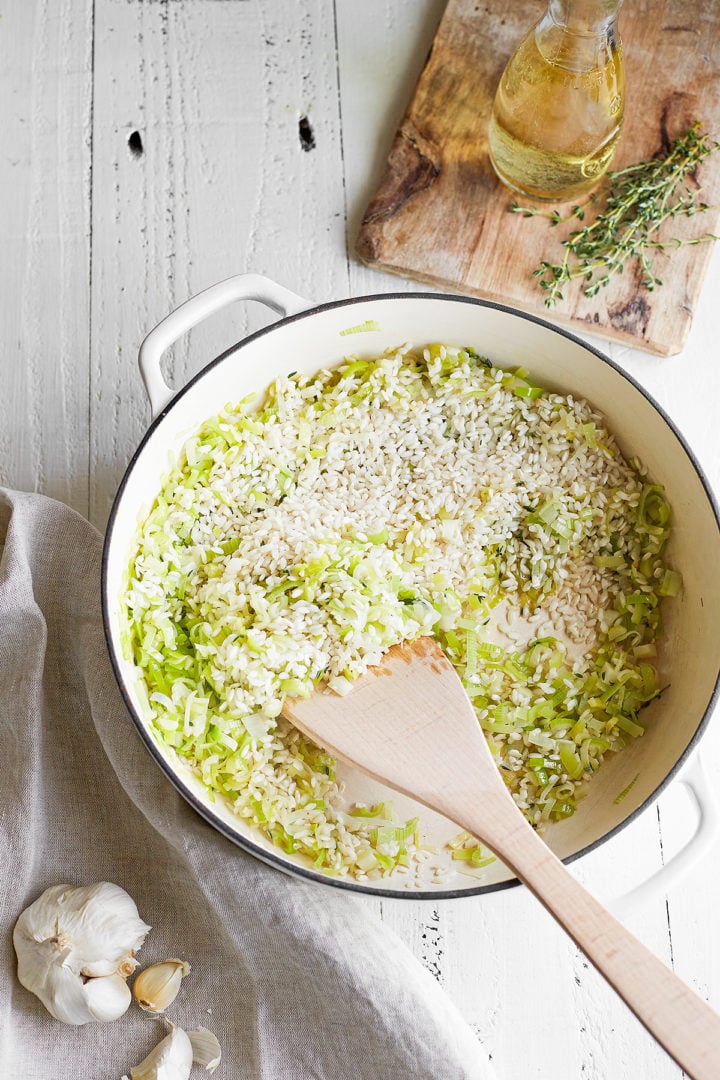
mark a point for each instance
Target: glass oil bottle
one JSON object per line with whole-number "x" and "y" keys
{"x": 558, "y": 109}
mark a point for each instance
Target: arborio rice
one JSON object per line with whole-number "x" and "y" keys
{"x": 420, "y": 492}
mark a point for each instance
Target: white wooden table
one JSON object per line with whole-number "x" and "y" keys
{"x": 150, "y": 149}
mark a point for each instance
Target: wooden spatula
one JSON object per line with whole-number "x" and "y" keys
{"x": 409, "y": 723}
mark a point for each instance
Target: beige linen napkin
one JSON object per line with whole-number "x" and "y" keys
{"x": 296, "y": 980}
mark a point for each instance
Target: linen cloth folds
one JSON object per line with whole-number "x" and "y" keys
{"x": 296, "y": 980}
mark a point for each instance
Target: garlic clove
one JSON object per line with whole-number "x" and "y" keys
{"x": 70, "y": 936}
{"x": 157, "y": 986}
{"x": 170, "y": 1060}
{"x": 108, "y": 997}
{"x": 206, "y": 1049}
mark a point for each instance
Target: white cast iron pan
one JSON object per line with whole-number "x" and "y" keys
{"x": 309, "y": 338}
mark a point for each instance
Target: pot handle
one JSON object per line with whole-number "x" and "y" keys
{"x": 196, "y": 310}
{"x": 694, "y": 778}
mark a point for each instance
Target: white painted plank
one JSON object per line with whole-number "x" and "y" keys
{"x": 45, "y": 97}
{"x": 382, "y": 48}
{"x": 223, "y": 185}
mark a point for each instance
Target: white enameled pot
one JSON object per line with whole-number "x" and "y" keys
{"x": 308, "y": 338}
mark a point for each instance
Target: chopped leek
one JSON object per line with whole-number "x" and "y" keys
{"x": 361, "y": 328}
{"x": 671, "y": 583}
{"x": 619, "y": 798}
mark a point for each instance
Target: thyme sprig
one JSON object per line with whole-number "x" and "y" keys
{"x": 638, "y": 200}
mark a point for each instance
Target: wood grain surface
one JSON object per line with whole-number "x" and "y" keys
{"x": 440, "y": 214}
{"x": 221, "y": 183}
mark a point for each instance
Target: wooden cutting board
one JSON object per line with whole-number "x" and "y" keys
{"x": 441, "y": 216}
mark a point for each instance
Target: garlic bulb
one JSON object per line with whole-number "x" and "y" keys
{"x": 75, "y": 949}
{"x": 206, "y": 1049}
{"x": 170, "y": 1060}
{"x": 157, "y": 986}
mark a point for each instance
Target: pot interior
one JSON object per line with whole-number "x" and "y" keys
{"x": 691, "y": 644}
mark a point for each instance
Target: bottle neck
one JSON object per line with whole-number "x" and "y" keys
{"x": 584, "y": 17}
{"x": 579, "y": 35}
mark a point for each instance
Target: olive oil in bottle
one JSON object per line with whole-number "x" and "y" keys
{"x": 558, "y": 108}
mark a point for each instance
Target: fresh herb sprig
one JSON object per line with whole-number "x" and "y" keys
{"x": 637, "y": 200}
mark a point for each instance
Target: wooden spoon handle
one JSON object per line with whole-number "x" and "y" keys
{"x": 678, "y": 1018}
